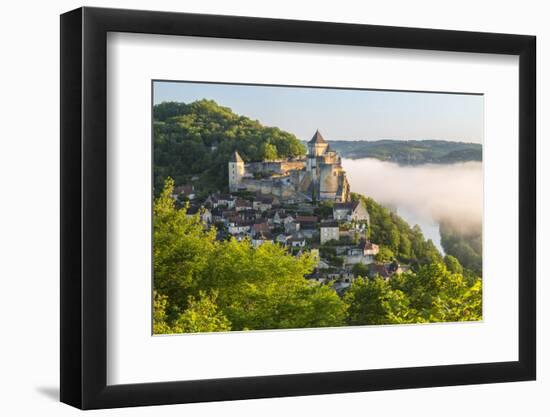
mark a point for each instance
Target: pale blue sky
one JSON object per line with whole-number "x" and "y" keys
{"x": 343, "y": 114}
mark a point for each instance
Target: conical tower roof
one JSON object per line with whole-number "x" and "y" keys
{"x": 236, "y": 157}
{"x": 317, "y": 138}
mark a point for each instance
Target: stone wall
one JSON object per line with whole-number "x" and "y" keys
{"x": 328, "y": 181}
{"x": 274, "y": 167}
{"x": 270, "y": 187}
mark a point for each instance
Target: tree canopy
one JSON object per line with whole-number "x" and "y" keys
{"x": 198, "y": 139}
{"x": 206, "y": 285}
{"x": 464, "y": 245}
{"x": 396, "y": 238}
{"x": 432, "y": 294}
{"x": 410, "y": 152}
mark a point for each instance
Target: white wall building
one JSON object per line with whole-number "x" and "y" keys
{"x": 329, "y": 231}
{"x": 352, "y": 211}
{"x": 236, "y": 171}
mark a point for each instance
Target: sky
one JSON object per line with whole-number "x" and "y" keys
{"x": 342, "y": 114}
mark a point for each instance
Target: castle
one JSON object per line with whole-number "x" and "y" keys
{"x": 318, "y": 177}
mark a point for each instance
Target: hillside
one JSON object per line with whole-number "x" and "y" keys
{"x": 410, "y": 152}
{"x": 203, "y": 284}
{"x": 198, "y": 139}
{"x": 466, "y": 246}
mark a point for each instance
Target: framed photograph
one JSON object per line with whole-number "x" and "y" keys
{"x": 257, "y": 208}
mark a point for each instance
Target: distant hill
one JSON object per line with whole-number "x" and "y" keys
{"x": 410, "y": 152}
{"x": 197, "y": 139}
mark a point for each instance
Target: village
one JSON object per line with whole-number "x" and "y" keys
{"x": 303, "y": 205}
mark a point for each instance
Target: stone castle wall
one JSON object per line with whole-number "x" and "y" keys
{"x": 269, "y": 187}
{"x": 322, "y": 178}
{"x": 328, "y": 181}
{"x": 274, "y": 167}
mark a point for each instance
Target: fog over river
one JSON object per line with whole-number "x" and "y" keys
{"x": 423, "y": 194}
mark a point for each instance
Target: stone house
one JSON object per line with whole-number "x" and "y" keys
{"x": 283, "y": 239}
{"x": 297, "y": 241}
{"x": 292, "y": 227}
{"x": 329, "y": 231}
{"x": 260, "y": 238}
{"x": 205, "y": 214}
{"x": 222, "y": 200}
{"x": 363, "y": 253}
{"x": 185, "y": 191}
{"x": 241, "y": 205}
{"x": 308, "y": 226}
{"x": 263, "y": 203}
{"x": 237, "y": 227}
{"x": 249, "y": 214}
{"x": 277, "y": 218}
{"x": 260, "y": 227}
{"x": 351, "y": 211}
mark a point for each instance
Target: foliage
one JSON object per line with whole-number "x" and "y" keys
{"x": 206, "y": 285}
{"x": 360, "y": 270}
{"x": 465, "y": 246}
{"x": 160, "y": 326}
{"x": 437, "y": 294}
{"x": 180, "y": 249}
{"x": 199, "y": 138}
{"x": 202, "y": 315}
{"x": 410, "y": 152}
{"x": 393, "y": 233}
{"x": 373, "y": 301}
{"x": 452, "y": 264}
{"x": 324, "y": 209}
{"x": 385, "y": 254}
{"x": 433, "y": 294}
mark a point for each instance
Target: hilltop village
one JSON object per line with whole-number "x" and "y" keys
{"x": 303, "y": 204}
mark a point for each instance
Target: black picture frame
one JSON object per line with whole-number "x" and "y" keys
{"x": 84, "y": 207}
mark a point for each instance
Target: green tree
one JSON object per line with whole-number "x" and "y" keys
{"x": 433, "y": 294}
{"x": 160, "y": 326}
{"x": 324, "y": 209}
{"x": 205, "y": 285}
{"x": 438, "y": 295}
{"x": 265, "y": 288}
{"x": 405, "y": 246}
{"x": 388, "y": 229}
{"x": 452, "y": 264}
{"x": 269, "y": 152}
{"x": 360, "y": 270}
{"x": 181, "y": 251}
{"x": 464, "y": 245}
{"x": 384, "y": 254}
{"x": 201, "y": 284}
{"x": 373, "y": 301}
{"x": 202, "y": 315}
{"x": 200, "y": 137}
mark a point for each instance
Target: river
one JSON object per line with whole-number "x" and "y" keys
{"x": 422, "y": 194}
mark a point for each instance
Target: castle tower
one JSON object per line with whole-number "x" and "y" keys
{"x": 316, "y": 147}
{"x": 236, "y": 171}
{"x": 329, "y": 176}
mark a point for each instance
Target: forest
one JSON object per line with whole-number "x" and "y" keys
{"x": 464, "y": 245}
{"x": 398, "y": 240}
{"x": 198, "y": 139}
{"x": 410, "y": 152}
{"x": 202, "y": 284}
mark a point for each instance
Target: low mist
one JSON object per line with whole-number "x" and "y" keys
{"x": 451, "y": 193}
